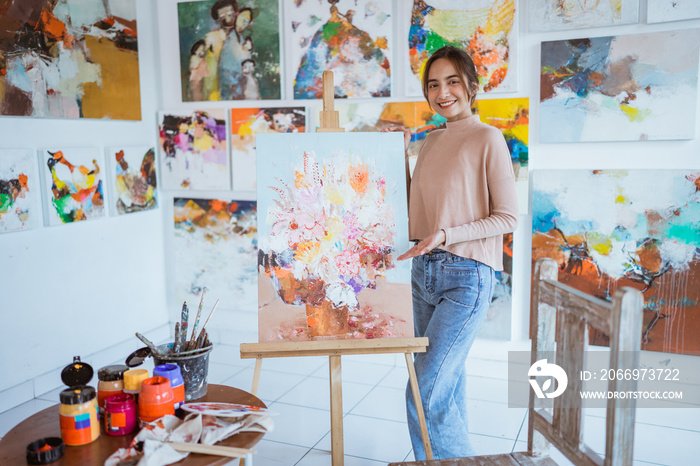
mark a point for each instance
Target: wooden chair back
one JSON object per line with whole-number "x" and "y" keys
{"x": 561, "y": 316}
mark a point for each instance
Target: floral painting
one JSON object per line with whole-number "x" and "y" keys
{"x": 215, "y": 246}
{"x": 553, "y": 15}
{"x": 74, "y": 182}
{"x": 352, "y": 38}
{"x": 638, "y": 228}
{"x": 229, "y": 50}
{"x": 19, "y": 190}
{"x": 134, "y": 178}
{"x": 245, "y": 124}
{"x": 333, "y": 219}
{"x": 660, "y": 11}
{"x": 488, "y": 33}
{"x": 620, "y": 88}
{"x": 69, "y": 59}
{"x": 193, "y": 150}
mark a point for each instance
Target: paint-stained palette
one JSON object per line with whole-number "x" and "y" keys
{"x": 20, "y": 208}
{"x": 223, "y": 409}
{"x": 76, "y": 59}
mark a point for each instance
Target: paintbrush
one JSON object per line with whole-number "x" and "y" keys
{"x": 207, "y": 321}
{"x": 193, "y": 340}
{"x": 184, "y": 322}
{"x": 148, "y": 342}
{"x": 176, "y": 344}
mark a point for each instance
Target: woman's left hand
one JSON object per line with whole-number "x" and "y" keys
{"x": 428, "y": 244}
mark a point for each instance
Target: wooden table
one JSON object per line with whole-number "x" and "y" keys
{"x": 45, "y": 424}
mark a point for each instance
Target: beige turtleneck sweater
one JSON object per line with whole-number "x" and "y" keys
{"x": 464, "y": 184}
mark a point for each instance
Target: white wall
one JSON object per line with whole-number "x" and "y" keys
{"x": 83, "y": 288}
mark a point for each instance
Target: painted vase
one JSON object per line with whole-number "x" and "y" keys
{"x": 326, "y": 319}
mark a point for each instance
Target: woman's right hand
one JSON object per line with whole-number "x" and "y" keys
{"x": 406, "y": 134}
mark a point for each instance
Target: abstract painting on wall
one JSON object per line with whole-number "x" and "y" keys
{"x": 661, "y": 11}
{"x": 638, "y": 228}
{"x": 620, "y": 88}
{"x": 215, "y": 246}
{"x": 229, "y": 50}
{"x": 497, "y": 324}
{"x": 69, "y": 59}
{"x": 74, "y": 184}
{"x": 193, "y": 151}
{"x": 333, "y": 219}
{"x": 512, "y": 117}
{"x": 19, "y": 190}
{"x": 488, "y": 33}
{"x": 133, "y": 176}
{"x": 352, "y": 38}
{"x": 553, "y": 15}
{"x": 245, "y": 124}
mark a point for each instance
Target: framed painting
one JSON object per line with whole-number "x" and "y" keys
{"x": 638, "y": 228}
{"x": 497, "y": 324}
{"x": 488, "y": 32}
{"x": 73, "y": 184}
{"x": 215, "y": 246}
{"x": 245, "y": 124}
{"x": 333, "y": 219}
{"x": 20, "y": 208}
{"x": 133, "y": 178}
{"x": 193, "y": 150}
{"x": 661, "y": 11}
{"x": 620, "y": 88}
{"x": 554, "y": 15}
{"x": 229, "y": 50}
{"x": 69, "y": 59}
{"x": 352, "y": 38}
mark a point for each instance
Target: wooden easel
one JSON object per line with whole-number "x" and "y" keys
{"x": 334, "y": 349}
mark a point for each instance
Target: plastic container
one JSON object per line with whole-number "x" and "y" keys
{"x": 133, "y": 378}
{"x": 173, "y": 373}
{"x": 111, "y": 382}
{"x": 156, "y": 399}
{"x": 78, "y": 413}
{"x": 194, "y": 366}
{"x": 45, "y": 450}
{"x": 120, "y": 414}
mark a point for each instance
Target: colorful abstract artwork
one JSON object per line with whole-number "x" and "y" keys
{"x": 352, "y": 38}
{"x": 553, "y": 15}
{"x": 512, "y": 117}
{"x": 74, "y": 182}
{"x": 333, "y": 219}
{"x": 620, "y": 88}
{"x": 245, "y": 124}
{"x": 488, "y": 33}
{"x": 215, "y": 246}
{"x": 133, "y": 178}
{"x": 19, "y": 190}
{"x": 69, "y": 59}
{"x": 497, "y": 325}
{"x": 229, "y": 50}
{"x": 661, "y": 11}
{"x": 638, "y": 228}
{"x": 193, "y": 150}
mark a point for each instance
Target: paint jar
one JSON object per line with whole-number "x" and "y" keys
{"x": 120, "y": 414}
{"x": 173, "y": 373}
{"x": 111, "y": 382}
{"x": 156, "y": 399}
{"x": 194, "y": 366}
{"x": 132, "y": 381}
{"x": 79, "y": 416}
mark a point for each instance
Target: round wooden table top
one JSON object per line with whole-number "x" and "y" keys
{"x": 13, "y": 446}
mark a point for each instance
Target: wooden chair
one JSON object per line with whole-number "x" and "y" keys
{"x": 560, "y": 319}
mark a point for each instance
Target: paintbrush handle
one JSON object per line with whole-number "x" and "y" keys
{"x": 154, "y": 349}
{"x": 176, "y": 344}
{"x": 218, "y": 450}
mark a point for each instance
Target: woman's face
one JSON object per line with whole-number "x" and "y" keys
{"x": 446, "y": 93}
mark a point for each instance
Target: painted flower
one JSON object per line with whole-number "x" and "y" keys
{"x": 348, "y": 262}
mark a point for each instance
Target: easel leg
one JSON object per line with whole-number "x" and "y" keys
{"x": 256, "y": 376}
{"x": 419, "y": 406}
{"x": 335, "y": 373}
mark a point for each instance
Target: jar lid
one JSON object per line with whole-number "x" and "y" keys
{"x": 170, "y": 371}
{"x": 133, "y": 378}
{"x": 137, "y": 357}
{"x": 45, "y": 450}
{"x": 111, "y": 373}
{"x": 78, "y": 373}
{"x": 77, "y": 395}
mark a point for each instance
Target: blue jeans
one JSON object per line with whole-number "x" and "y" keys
{"x": 451, "y": 295}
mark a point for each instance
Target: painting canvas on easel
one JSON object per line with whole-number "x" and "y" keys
{"x": 332, "y": 220}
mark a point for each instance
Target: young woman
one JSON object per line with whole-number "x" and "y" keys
{"x": 462, "y": 200}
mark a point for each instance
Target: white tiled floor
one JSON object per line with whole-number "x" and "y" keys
{"x": 374, "y": 424}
